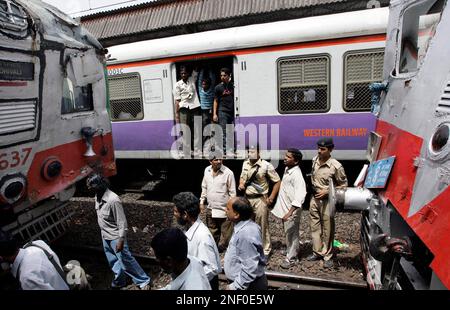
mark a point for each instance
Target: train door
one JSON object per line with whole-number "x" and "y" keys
{"x": 208, "y": 69}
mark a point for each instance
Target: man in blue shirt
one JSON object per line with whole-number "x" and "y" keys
{"x": 244, "y": 260}
{"x": 205, "y": 85}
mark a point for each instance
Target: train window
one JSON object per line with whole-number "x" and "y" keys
{"x": 303, "y": 84}
{"x": 361, "y": 68}
{"x": 125, "y": 97}
{"x": 75, "y": 98}
{"x": 418, "y": 28}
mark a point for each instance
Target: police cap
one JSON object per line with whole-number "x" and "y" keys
{"x": 325, "y": 142}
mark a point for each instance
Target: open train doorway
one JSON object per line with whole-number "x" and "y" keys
{"x": 194, "y": 92}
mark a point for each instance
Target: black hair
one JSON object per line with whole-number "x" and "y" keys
{"x": 185, "y": 68}
{"x": 187, "y": 202}
{"x": 97, "y": 181}
{"x": 207, "y": 80}
{"x": 226, "y": 71}
{"x": 242, "y": 206}
{"x": 170, "y": 242}
{"x": 8, "y": 244}
{"x": 296, "y": 153}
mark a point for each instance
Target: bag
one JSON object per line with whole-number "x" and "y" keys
{"x": 75, "y": 278}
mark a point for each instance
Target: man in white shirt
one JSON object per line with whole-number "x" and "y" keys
{"x": 31, "y": 266}
{"x": 187, "y": 108}
{"x": 289, "y": 204}
{"x": 201, "y": 243}
{"x": 218, "y": 186}
{"x": 171, "y": 248}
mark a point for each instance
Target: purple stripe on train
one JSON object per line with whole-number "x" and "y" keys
{"x": 350, "y": 131}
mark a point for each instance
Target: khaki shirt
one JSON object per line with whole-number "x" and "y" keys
{"x": 265, "y": 173}
{"x": 321, "y": 174}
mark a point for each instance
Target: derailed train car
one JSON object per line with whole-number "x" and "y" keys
{"x": 406, "y": 220}
{"x": 54, "y": 122}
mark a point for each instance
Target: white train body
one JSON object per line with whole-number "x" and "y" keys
{"x": 267, "y": 62}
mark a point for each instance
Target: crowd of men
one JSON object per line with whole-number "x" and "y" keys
{"x": 197, "y": 95}
{"x": 236, "y": 224}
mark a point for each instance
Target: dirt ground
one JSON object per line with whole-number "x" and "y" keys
{"x": 146, "y": 218}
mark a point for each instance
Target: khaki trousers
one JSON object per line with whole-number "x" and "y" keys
{"x": 220, "y": 227}
{"x": 262, "y": 219}
{"x": 292, "y": 231}
{"x": 322, "y": 228}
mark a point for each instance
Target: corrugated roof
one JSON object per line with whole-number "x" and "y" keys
{"x": 171, "y": 17}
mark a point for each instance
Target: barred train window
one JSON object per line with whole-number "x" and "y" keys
{"x": 303, "y": 84}
{"x": 125, "y": 97}
{"x": 360, "y": 70}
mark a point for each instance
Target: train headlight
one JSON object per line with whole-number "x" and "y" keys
{"x": 13, "y": 188}
{"x": 438, "y": 147}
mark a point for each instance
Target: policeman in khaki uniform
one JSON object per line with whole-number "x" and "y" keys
{"x": 321, "y": 217}
{"x": 256, "y": 187}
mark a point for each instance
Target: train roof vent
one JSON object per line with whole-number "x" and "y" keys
{"x": 444, "y": 102}
{"x": 13, "y": 20}
{"x": 17, "y": 116}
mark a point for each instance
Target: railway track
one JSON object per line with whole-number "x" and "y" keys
{"x": 276, "y": 280}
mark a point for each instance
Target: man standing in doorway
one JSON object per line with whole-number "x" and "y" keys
{"x": 206, "y": 82}
{"x": 187, "y": 107}
{"x": 223, "y": 111}
{"x": 254, "y": 182}
{"x": 324, "y": 168}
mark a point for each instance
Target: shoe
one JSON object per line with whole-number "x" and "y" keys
{"x": 313, "y": 257}
{"x": 146, "y": 288}
{"x": 328, "y": 263}
{"x": 286, "y": 264}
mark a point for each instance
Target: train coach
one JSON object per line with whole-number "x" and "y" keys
{"x": 295, "y": 81}
{"x": 54, "y": 123}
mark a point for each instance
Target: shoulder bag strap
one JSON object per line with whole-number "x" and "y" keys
{"x": 50, "y": 257}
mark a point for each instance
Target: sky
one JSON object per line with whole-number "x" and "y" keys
{"x": 77, "y": 8}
